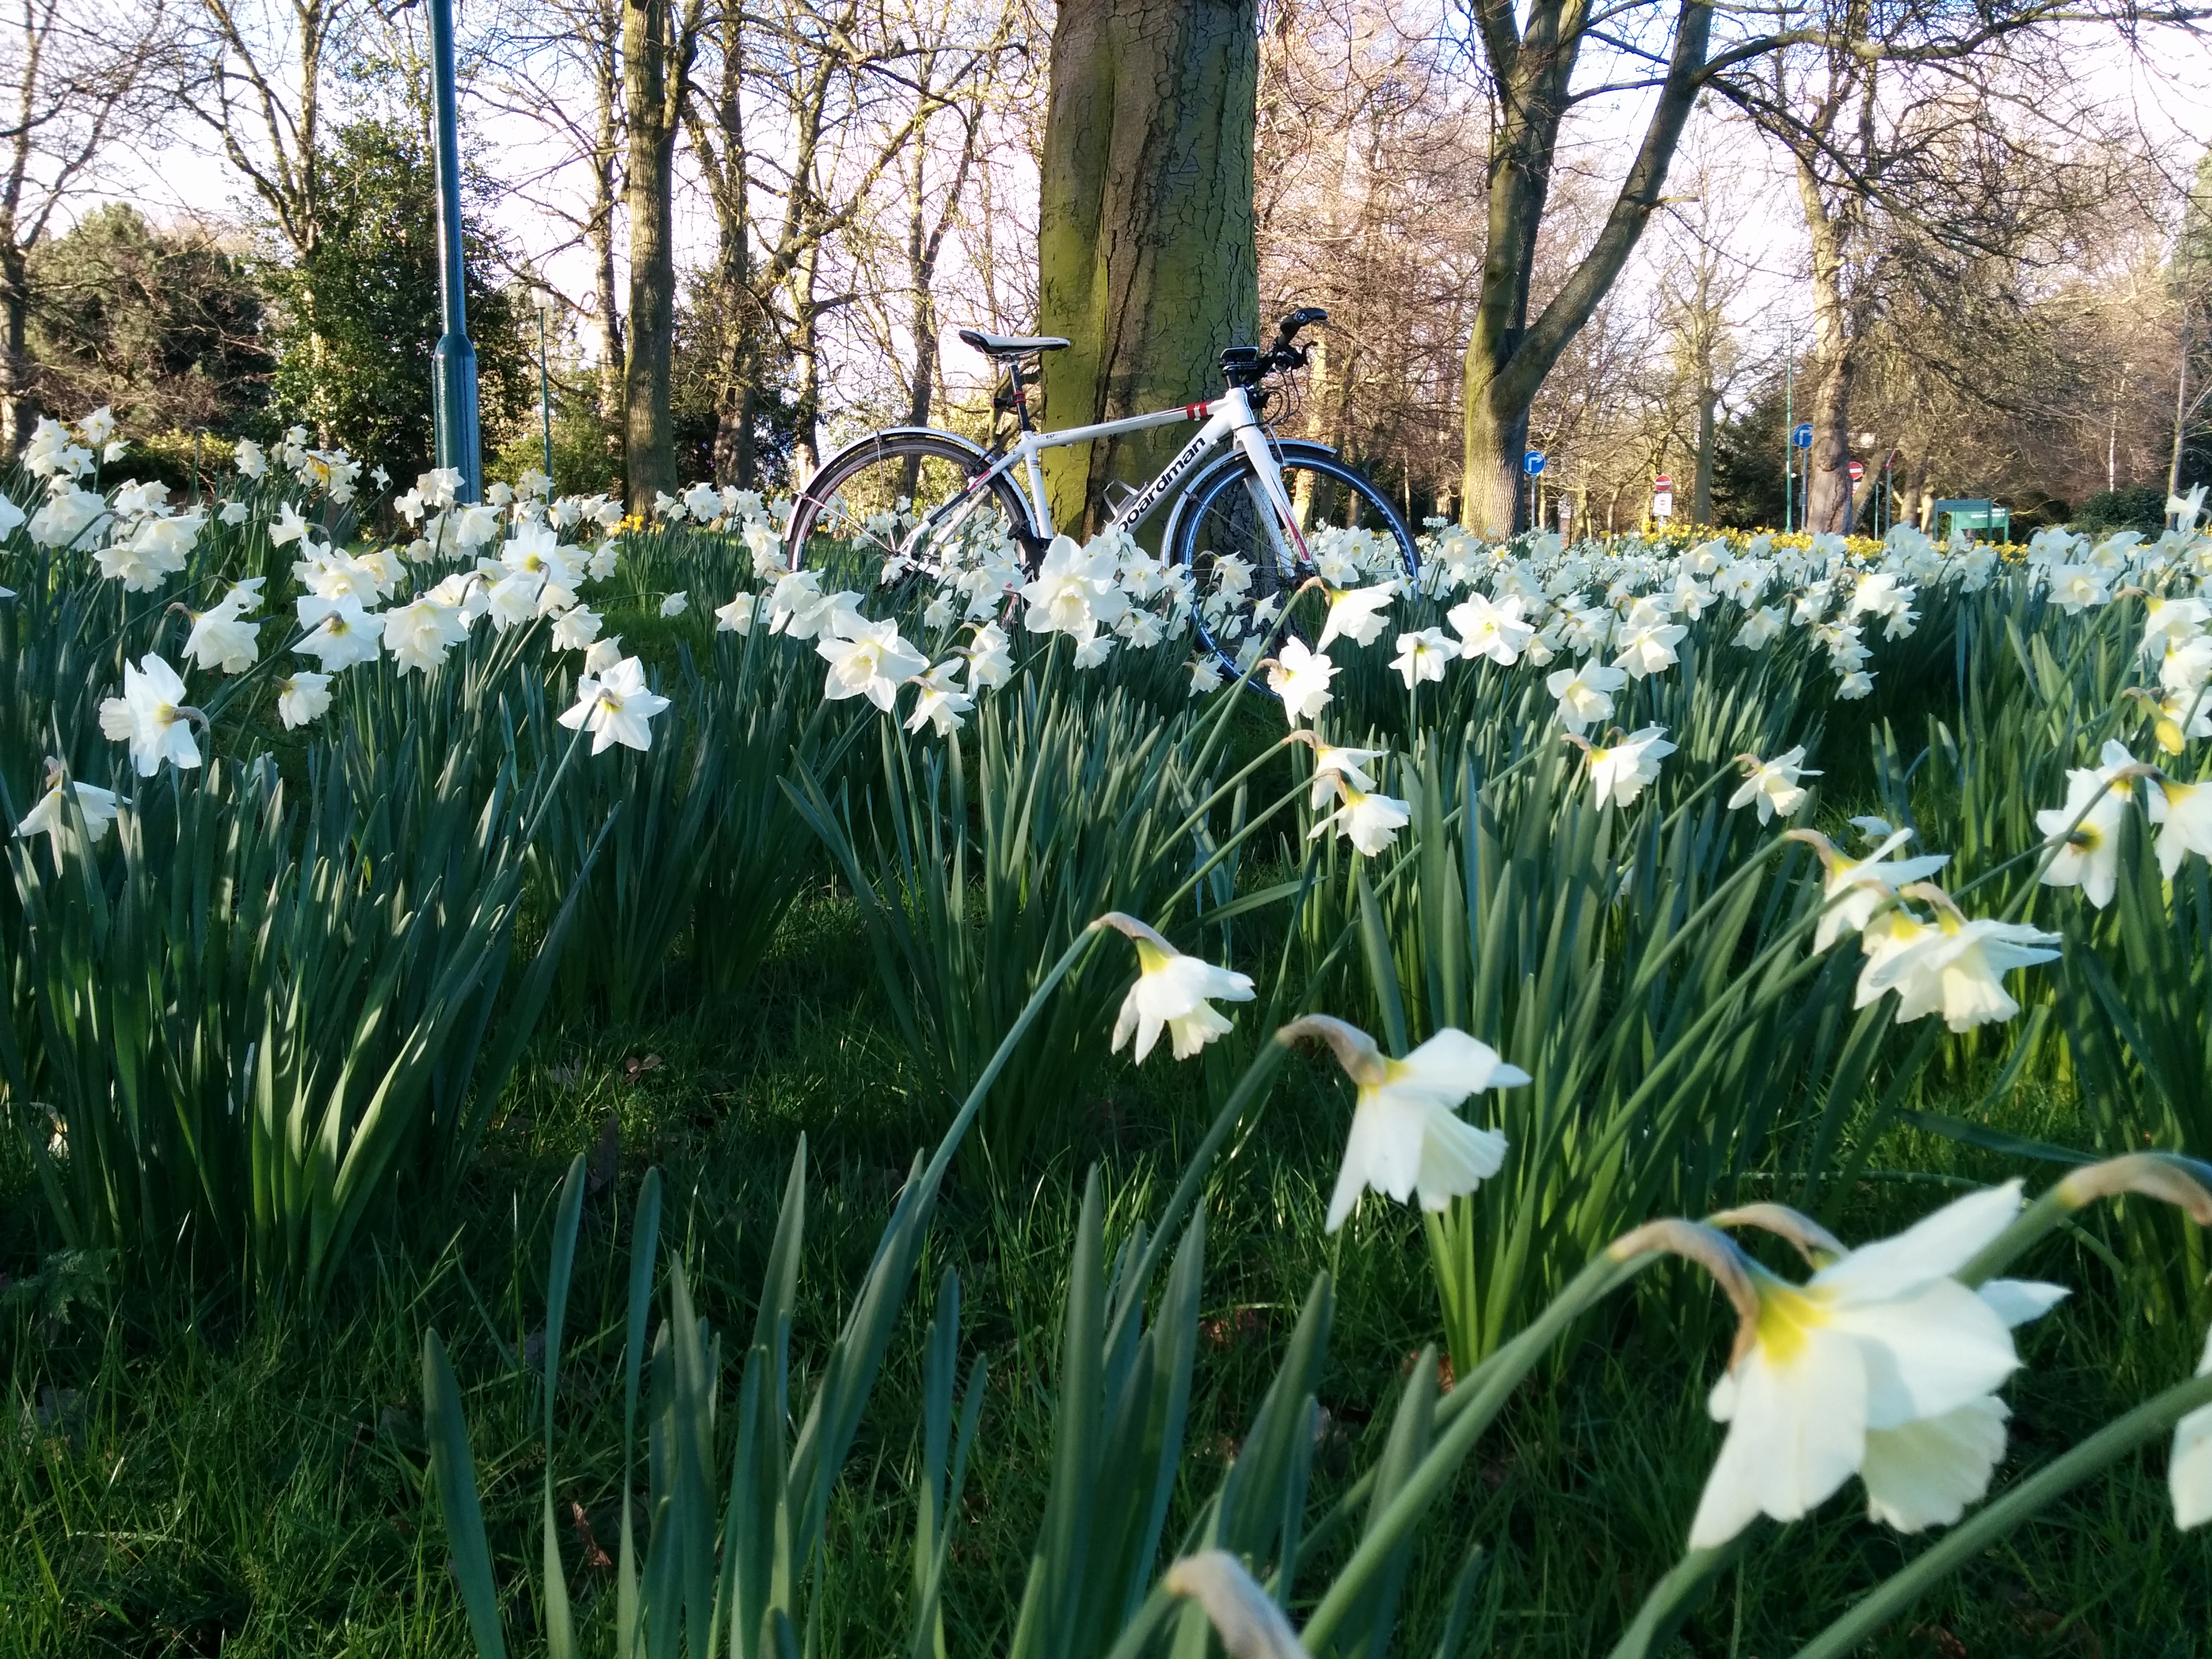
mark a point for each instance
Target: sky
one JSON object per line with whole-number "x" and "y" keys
{"x": 176, "y": 173}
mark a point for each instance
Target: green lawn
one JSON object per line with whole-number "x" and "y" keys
{"x": 181, "y": 1475}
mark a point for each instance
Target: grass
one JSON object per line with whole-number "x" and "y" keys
{"x": 178, "y": 1476}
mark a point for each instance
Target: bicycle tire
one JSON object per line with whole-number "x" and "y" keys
{"x": 1199, "y": 522}
{"x": 824, "y": 491}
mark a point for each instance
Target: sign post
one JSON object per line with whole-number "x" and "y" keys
{"x": 1801, "y": 440}
{"x": 1789, "y": 420}
{"x": 1662, "y": 497}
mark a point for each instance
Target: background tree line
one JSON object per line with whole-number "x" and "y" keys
{"x": 1643, "y": 241}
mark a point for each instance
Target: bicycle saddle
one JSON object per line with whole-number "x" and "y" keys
{"x": 1011, "y": 345}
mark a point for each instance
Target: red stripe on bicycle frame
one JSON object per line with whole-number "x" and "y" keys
{"x": 1195, "y": 411}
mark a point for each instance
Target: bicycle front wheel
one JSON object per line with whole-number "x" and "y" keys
{"x": 905, "y": 495}
{"x": 1352, "y": 534}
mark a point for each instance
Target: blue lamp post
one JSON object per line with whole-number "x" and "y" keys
{"x": 453, "y": 370}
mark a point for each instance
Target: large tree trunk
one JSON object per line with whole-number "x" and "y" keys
{"x": 1827, "y": 463}
{"x": 1701, "y": 486}
{"x": 1507, "y": 355}
{"x": 807, "y": 361}
{"x": 19, "y": 410}
{"x": 1146, "y": 253}
{"x": 601, "y": 231}
{"x": 652, "y": 79}
{"x": 736, "y": 455}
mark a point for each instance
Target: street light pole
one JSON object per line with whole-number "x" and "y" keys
{"x": 1788, "y": 426}
{"x": 453, "y": 388}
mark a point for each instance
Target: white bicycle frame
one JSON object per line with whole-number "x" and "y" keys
{"x": 1229, "y": 418}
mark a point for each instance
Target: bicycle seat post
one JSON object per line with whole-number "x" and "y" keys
{"x": 1015, "y": 398}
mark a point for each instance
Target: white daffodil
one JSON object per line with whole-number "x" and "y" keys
{"x": 1332, "y": 762}
{"x": 2176, "y": 717}
{"x": 152, "y": 717}
{"x": 1760, "y": 628}
{"x": 1493, "y": 628}
{"x": 1772, "y": 786}
{"x": 614, "y": 706}
{"x": 2183, "y": 813}
{"x": 155, "y": 548}
{"x": 2089, "y": 855}
{"x": 1423, "y": 655}
{"x": 1206, "y": 676}
{"x": 1370, "y": 822}
{"x": 739, "y": 615}
{"x": 50, "y": 817}
{"x": 339, "y": 632}
{"x": 1173, "y": 994}
{"x": 1956, "y": 966}
{"x": 303, "y": 699}
{"x": 419, "y": 634}
{"x": 1091, "y": 650}
{"x": 574, "y": 630}
{"x": 675, "y": 604}
{"x": 1357, "y": 615}
{"x": 1854, "y": 685}
{"x": 220, "y": 638}
{"x": 512, "y": 600}
{"x": 1619, "y": 772}
{"x": 1882, "y": 1341}
{"x": 868, "y": 659}
{"x": 990, "y": 662}
{"x": 1248, "y": 1621}
{"x": 1856, "y": 888}
{"x": 2186, "y": 667}
{"x": 942, "y": 701}
{"x": 1585, "y": 694}
{"x": 1743, "y": 582}
{"x": 2168, "y": 622}
{"x": 1074, "y": 591}
{"x": 1300, "y": 677}
{"x": 1648, "y": 649}
{"x": 1406, "y": 1135}
{"x": 2189, "y": 1467}
{"x": 2078, "y": 587}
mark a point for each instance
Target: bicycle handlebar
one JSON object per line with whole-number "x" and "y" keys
{"x": 1248, "y": 365}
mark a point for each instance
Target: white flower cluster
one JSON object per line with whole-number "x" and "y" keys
{"x": 345, "y": 611}
{"x": 1107, "y": 594}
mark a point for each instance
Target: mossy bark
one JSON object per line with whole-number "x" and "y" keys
{"x": 1145, "y": 240}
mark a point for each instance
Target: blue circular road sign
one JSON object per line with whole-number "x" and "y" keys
{"x": 1533, "y": 462}
{"x": 1801, "y": 435}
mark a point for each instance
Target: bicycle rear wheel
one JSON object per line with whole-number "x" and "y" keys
{"x": 901, "y": 495}
{"x": 1354, "y": 536}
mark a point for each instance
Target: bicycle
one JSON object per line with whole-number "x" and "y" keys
{"x": 918, "y": 494}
